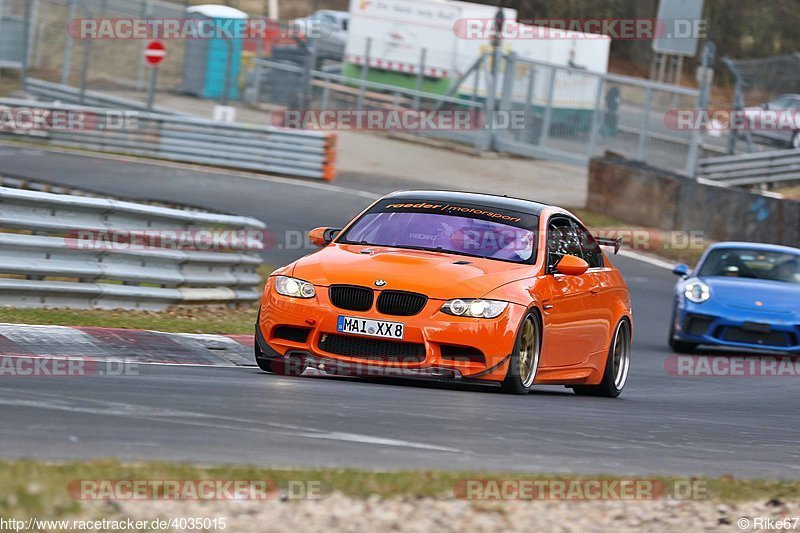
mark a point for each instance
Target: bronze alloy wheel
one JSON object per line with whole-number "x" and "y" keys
{"x": 529, "y": 352}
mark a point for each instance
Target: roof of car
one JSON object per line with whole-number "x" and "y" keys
{"x": 486, "y": 200}
{"x": 756, "y": 246}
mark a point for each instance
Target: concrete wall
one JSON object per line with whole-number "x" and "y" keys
{"x": 650, "y": 197}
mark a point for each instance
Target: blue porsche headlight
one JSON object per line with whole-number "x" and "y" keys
{"x": 697, "y": 292}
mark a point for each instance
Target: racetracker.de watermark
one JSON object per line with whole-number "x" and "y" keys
{"x": 226, "y": 240}
{"x": 728, "y": 119}
{"x": 259, "y": 240}
{"x": 128, "y": 29}
{"x": 25, "y": 119}
{"x": 618, "y": 29}
{"x": 193, "y": 489}
{"x": 732, "y": 366}
{"x": 399, "y": 120}
{"x": 72, "y": 367}
{"x": 580, "y": 489}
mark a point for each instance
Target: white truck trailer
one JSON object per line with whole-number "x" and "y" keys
{"x": 399, "y": 30}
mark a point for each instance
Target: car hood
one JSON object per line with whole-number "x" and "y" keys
{"x": 431, "y": 273}
{"x": 774, "y": 297}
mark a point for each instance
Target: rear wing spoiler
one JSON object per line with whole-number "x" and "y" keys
{"x": 605, "y": 241}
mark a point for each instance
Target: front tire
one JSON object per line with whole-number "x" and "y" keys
{"x": 261, "y": 360}
{"x": 617, "y": 366}
{"x": 264, "y": 364}
{"x": 677, "y": 346}
{"x": 524, "y": 361}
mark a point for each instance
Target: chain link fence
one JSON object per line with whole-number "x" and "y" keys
{"x": 770, "y": 83}
{"x": 559, "y": 113}
{"x": 111, "y": 64}
{"x": 575, "y": 114}
{"x": 565, "y": 113}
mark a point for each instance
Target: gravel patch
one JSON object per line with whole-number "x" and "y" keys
{"x": 342, "y": 513}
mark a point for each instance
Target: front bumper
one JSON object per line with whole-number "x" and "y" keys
{"x": 435, "y": 345}
{"x": 718, "y": 326}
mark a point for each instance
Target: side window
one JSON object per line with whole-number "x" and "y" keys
{"x": 591, "y": 250}
{"x": 562, "y": 239}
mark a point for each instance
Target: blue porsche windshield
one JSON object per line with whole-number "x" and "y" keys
{"x": 752, "y": 264}
{"x": 460, "y": 230}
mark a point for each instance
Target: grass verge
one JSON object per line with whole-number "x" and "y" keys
{"x": 34, "y": 488}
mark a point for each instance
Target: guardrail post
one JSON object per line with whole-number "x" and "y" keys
{"x": 420, "y": 76}
{"x": 259, "y": 75}
{"x": 147, "y": 13}
{"x": 548, "y": 110}
{"x": 226, "y": 89}
{"x": 477, "y": 84}
{"x": 26, "y": 47}
{"x": 67, "y": 66}
{"x": 486, "y": 138}
{"x": 308, "y": 78}
{"x": 506, "y": 100}
{"x": 709, "y": 51}
{"x": 641, "y": 148}
{"x": 326, "y": 92}
{"x": 595, "y": 129}
{"x": 364, "y": 75}
{"x": 85, "y": 70}
{"x": 530, "y": 108}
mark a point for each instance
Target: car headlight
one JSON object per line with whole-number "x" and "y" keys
{"x": 293, "y": 287}
{"x": 475, "y": 308}
{"x": 697, "y": 292}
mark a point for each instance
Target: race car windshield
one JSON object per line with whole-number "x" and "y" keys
{"x": 416, "y": 228}
{"x": 752, "y": 264}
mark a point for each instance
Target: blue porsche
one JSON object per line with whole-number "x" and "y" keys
{"x": 741, "y": 295}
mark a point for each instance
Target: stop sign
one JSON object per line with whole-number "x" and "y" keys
{"x": 155, "y": 52}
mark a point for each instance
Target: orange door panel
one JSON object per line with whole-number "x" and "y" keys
{"x": 601, "y": 305}
{"x": 569, "y": 320}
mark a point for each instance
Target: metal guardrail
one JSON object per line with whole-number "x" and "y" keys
{"x": 56, "y": 92}
{"x": 87, "y": 252}
{"x": 187, "y": 139}
{"x": 760, "y": 168}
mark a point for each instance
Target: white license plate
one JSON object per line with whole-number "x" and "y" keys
{"x": 370, "y": 328}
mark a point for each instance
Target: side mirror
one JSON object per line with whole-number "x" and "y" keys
{"x": 571, "y": 265}
{"x": 322, "y": 236}
{"x": 681, "y": 270}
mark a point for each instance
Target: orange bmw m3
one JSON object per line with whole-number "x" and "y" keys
{"x": 453, "y": 286}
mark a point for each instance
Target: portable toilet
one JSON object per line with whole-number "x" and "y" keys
{"x": 205, "y": 64}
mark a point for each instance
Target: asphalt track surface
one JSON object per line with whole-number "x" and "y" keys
{"x": 662, "y": 424}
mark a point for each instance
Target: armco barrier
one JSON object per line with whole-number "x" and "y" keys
{"x": 66, "y": 94}
{"x": 650, "y": 197}
{"x": 759, "y": 168}
{"x": 187, "y": 139}
{"x": 66, "y": 261}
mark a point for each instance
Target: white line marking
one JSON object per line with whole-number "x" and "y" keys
{"x": 368, "y": 439}
{"x": 161, "y": 414}
{"x": 647, "y": 259}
